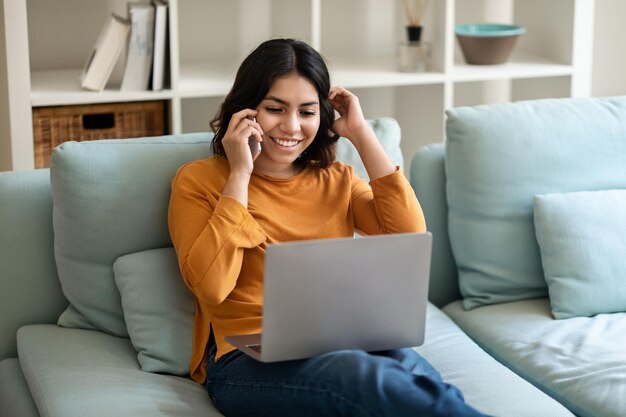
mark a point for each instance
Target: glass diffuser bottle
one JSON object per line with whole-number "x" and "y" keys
{"x": 413, "y": 53}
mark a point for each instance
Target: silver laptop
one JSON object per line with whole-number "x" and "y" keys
{"x": 324, "y": 295}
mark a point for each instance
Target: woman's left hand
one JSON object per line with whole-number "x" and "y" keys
{"x": 352, "y": 125}
{"x": 351, "y": 122}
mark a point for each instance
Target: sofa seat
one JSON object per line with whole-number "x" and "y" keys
{"x": 481, "y": 378}
{"x": 579, "y": 361}
{"x": 73, "y": 372}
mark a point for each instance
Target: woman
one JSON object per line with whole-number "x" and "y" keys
{"x": 225, "y": 210}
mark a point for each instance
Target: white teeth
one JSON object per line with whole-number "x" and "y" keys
{"x": 287, "y": 143}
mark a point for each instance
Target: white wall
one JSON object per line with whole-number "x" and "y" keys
{"x": 609, "y": 60}
{"x": 16, "y": 145}
{"x": 5, "y": 141}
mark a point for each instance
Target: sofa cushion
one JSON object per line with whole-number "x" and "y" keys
{"x": 158, "y": 309}
{"x": 111, "y": 198}
{"x": 15, "y": 398}
{"x": 582, "y": 237}
{"x": 498, "y": 157}
{"x": 579, "y": 361}
{"x": 486, "y": 384}
{"x": 75, "y": 372}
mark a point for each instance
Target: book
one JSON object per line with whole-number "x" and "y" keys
{"x": 105, "y": 53}
{"x": 160, "y": 59}
{"x": 140, "y": 47}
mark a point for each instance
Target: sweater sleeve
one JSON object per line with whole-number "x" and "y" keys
{"x": 210, "y": 233}
{"x": 387, "y": 205}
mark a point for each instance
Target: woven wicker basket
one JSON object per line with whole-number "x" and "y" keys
{"x": 55, "y": 125}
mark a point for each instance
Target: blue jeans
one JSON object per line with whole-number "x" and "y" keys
{"x": 343, "y": 383}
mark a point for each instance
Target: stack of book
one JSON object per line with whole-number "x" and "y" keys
{"x": 144, "y": 36}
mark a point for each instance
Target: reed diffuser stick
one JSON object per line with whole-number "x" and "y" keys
{"x": 413, "y": 11}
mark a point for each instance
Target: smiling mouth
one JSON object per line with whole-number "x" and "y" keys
{"x": 286, "y": 143}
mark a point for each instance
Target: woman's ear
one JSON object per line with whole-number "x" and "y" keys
{"x": 333, "y": 135}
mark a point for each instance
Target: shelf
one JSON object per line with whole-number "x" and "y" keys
{"x": 520, "y": 65}
{"x": 209, "y": 38}
{"x": 377, "y": 71}
{"x": 62, "y": 87}
{"x": 211, "y": 79}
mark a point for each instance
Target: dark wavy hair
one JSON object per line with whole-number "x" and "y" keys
{"x": 271, "y": 60}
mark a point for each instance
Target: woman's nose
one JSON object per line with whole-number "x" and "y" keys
{"x": 291, "y": 124}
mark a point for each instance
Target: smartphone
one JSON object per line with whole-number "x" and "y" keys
{"x": 255, "y": 147}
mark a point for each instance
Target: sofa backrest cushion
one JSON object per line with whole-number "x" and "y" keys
{"x": 111, "y": 198}
{"x": 498, "y": 157}
{"x": 388, "y": 132}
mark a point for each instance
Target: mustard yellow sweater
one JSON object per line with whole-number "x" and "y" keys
{"x": 221, "y": 244}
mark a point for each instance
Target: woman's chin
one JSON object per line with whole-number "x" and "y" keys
{"x": 273, "y": 160}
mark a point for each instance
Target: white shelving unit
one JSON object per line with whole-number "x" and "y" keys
{"x": 45, "y": 44}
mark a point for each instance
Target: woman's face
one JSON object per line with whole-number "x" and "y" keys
{"x": 290, "y": 118}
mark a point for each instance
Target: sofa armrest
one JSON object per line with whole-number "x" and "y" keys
{"x": 428, "y": 179}
{"x": 15, "y": 398}
{"x": 30, "y": 291}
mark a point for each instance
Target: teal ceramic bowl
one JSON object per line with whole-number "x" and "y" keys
{"x": 487, "y": 43}
{"x": 488, "y": 30}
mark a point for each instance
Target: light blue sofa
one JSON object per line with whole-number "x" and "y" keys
{"x": 484, "y": 194}
{"x": 94, "y": 319}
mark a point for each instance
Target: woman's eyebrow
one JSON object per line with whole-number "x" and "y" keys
{"x": 284, "y": 103}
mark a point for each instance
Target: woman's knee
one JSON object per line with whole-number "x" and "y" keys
{"x": 350, "y": 371}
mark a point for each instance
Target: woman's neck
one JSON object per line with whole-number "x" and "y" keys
{"x": 276, "y": 171}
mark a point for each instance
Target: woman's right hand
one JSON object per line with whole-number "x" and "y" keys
{"x": 235, "y": 141}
